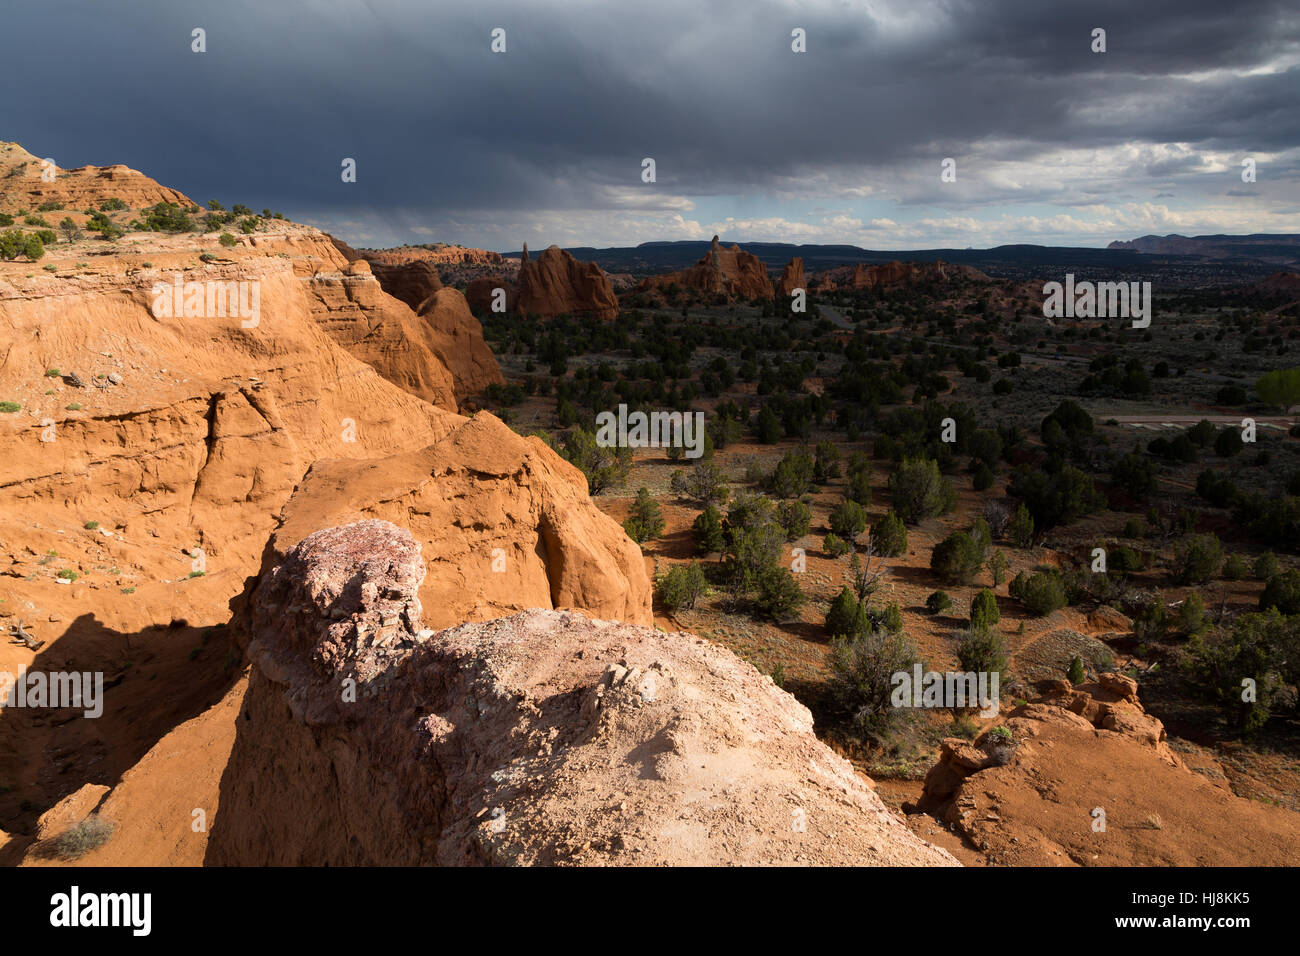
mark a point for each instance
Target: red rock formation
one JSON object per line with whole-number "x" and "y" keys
{"x": 22, "y": 185}
{"x": 412, "y": 282}
{"x": 792, "y": 278}
{"x": 542, "y": 738}
{"x": 556, "y": 283}
{"x": 506, "y": 524}
{"x": 479, "y": 293}
{"x": 457, "y": 341}
{"x": 892, "y": 275}
{"x": 439, "y": 254}
{"x": 1032, "y": 798}
{"x": 731, "y": 272}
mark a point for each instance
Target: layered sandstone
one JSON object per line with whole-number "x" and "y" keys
{"x": 892, "y": 275}
{"x": 730, "y": 272}
{"x": 542, "y": 738}
{"x": 23, "y": 184}
{"x": 555, "y": 283}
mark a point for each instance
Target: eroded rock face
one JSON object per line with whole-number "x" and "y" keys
{"x": 506, "y": 524}
{"x": 541, "y": 738}
{"x": 1083, "y": 775}
{"x": 412, "y": 282}
{"x": 76, "y": 188}
{"x": 893, "y": 275}
{"x": 456, "y": 338}
{"x": 730, "y": 272}
{"x": 555, "y": 283}
{"x": 792, "y": 278}
{"x": 479, "y": 293}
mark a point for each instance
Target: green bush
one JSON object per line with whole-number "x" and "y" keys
{"x": 863, "y": 666}
{"x": 90, "y": 834}
{"x": 707, "y": 530}
{"x": 1282, "y": 592}
{"x": 645, "y": 520}
{"x": 1197, "y": 558}
{"x": 982, "y": 650}
{"x": 848, "y": 520}
{"x": 984, "y": 611}
{"x": 1041, "y": 592}
{"x": 1234, "y": 568}
{"x": 1075, "y": 672}
{"x": 919, "y": 491}
{"x": 889, "y": 536}
{"x": 958, "y": 558}
{"x": 1266, "y": 565}
{"x": 938, "y": 602}
{"x": 795, "y": 517}
{"x": 682, "y": 586}
{"x": 834, "y": 546}
{"x": 228, "y": 240}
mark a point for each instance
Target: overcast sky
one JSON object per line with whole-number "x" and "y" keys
{"x": 544, "y": 143}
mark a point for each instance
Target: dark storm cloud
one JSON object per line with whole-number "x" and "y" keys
{"x": 711, "y": 90}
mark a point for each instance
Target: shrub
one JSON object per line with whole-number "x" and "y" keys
{"x": 848, "y": 520}
{"x": 858, "y": 488}
{"x": 1228, "y": 442}
{"x": 8, "y": 407}
{"x": 708, "y": 532}
{"x": 863, "y": 668}
{"x": 1041, "y": 592}
{"x": 793, "y": 475}
{"x": 1075, "y": 672}
{"x": 90, "y": 834}
{"x": 846, "y": 616}
{"x": 1234, "y": 568}
{"x": 705, "y": 484}
{"x": 645, "y": 520}
{"x": 1282, "y": 591}
{"x": 982, "y": 480}
{"x": 795, "y": 517}
{"x": 228, "y": 240}
{"x": 1197, "y": 558}
{"x": 982, "y": 649}
{"x": 1266, "y": 565}
{"x": 1135, "y": 474}
{"x": 1260, "y": 647}
{"x": 984, "y": 611}
{"x": 68, "y": 574}
{"x": 682, "y": 586}
{"x": 1191, "y": 614}
{"x": 834, "y": 546}
{"x": 91, "y": 525}
{"x": 957, "y": 558}
{"x": 603, "y": 467}
{"x": 920, "y": 491}
{"x": 779, "y": 595}
{"x": 938, "y": 602}
{"x": 1020, "y": 529}
{"x": 889, "y": 536}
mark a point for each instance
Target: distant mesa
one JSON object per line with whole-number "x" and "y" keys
{"x": 555, "y": 283}
{"x": 731, "y": 272}
{"x": 892, "y": 275}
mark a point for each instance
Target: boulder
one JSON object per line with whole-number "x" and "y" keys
{"x": 537, "y": 739}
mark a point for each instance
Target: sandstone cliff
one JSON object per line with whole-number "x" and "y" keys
{"x": 555, "y": 283}
{"x": 543, "y": 738}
